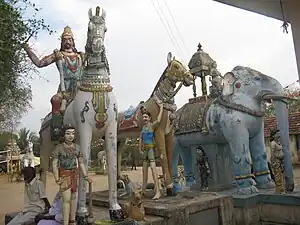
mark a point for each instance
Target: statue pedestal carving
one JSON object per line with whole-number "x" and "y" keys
{"x": 187, "y": 208}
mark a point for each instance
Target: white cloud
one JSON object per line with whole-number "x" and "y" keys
{"x": 137, "y": 45}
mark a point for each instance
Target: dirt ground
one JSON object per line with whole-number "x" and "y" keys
{"x": 11, "y": 194}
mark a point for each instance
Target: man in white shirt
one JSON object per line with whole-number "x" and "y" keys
{"x": 36, "y": 201}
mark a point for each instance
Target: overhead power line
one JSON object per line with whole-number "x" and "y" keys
{"x": 168, "y": 28}
{"x": 171, "y": 30}
{"x": 177, "y": 29}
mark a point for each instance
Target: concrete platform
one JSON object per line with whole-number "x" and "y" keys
{"x": 266, "y": 208}
{"x": 188, "y": 208}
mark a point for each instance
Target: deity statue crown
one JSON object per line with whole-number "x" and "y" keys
{"x": 67, "y": 32}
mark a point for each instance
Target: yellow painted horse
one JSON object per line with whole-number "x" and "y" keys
{"x": 164, "y": 92}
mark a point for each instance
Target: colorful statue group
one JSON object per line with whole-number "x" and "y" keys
{"x": 85, "y": 85}
{"x": 84, "y": 99}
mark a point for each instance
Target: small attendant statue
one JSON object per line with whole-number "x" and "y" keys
{"x": 67, "y": 160}
{"x": 203, "y": 167}
{"x": 277, "y": 161}
{"x": 147, "y": 148}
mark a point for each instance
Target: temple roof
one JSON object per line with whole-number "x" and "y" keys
{"x": 294, "y": 124}
{"x": 269, "y": 8}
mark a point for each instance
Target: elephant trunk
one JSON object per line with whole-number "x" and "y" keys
{"x": 283, "y": 125}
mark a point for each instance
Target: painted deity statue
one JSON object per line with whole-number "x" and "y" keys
{"x": 147, "y": 148}
{"x": 277, "y": 161}
{"x": 69, "y": 63}
{"x": 203, "y": 168}
{"x": 67, "y": 161}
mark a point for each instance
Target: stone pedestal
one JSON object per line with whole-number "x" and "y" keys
{"x": 266, "y": 208}
{"x": 188, "y": 208}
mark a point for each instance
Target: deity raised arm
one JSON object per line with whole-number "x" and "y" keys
{"x": 66, "y": 163}
{"x": 69, "y": 63}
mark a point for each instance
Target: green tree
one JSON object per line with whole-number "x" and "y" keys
{"x": 23, "y": 138}
{"x": 26, "y": 135}
{"x": 18, "y": 22}
{"x": 4, "y": 138}
{"x": 293, "y": 105}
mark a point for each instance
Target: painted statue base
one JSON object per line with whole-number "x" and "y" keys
{"x": 266, "y": 207}
{"x": 187, "y": 208}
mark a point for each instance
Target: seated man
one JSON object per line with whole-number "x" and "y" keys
{"x": 54, "y": 217}
{"x": 36, "y": 201}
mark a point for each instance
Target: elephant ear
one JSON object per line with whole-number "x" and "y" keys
{"x": 228, "y": 82}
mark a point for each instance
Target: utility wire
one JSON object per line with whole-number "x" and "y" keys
{"x": 173, "y": 19}
{"x": 165, "y": 27}
{"x": 171, "y": 30}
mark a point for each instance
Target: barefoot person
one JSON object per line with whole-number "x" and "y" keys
{"x": 147, "y": 146}
{"x": 36, "y": 201}
{"x": 66, "y": 159}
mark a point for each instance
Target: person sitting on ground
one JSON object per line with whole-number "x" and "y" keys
{"x": 36, "y": 201}
{"x": 54, "y": 217}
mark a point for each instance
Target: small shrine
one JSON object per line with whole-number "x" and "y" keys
{"x": 13, "y": 150}
{"x": 13, "y": 157}
{"x": 202, "y": 65}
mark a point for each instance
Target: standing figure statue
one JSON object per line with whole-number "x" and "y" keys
{"x": 66, "y": 158}
{"x": 203, "y": 167}
{"x": 277, "y": 160}
{"x": 147, "y": 148}
{"x": 69, "y": 63}
{"x": 28, "y": 159}
{"x": 101, "y": 156}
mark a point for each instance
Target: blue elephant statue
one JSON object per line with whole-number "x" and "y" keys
{"x": 235, "y": 118}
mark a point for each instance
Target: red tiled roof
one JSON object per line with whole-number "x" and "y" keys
{"x": 294, "y": 124}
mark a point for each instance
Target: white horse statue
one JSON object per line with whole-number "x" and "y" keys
{"x": 28, "y": 158}
{"x": 94, "y": 111}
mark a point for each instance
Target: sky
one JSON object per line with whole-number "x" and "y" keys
{"x": 137, "y": 45}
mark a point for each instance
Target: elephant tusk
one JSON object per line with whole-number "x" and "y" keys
{"x": 278, "y": 98}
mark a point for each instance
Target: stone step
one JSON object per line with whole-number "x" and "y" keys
{"x": 187, "y": 208}
{"x": 101, "y": 217}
